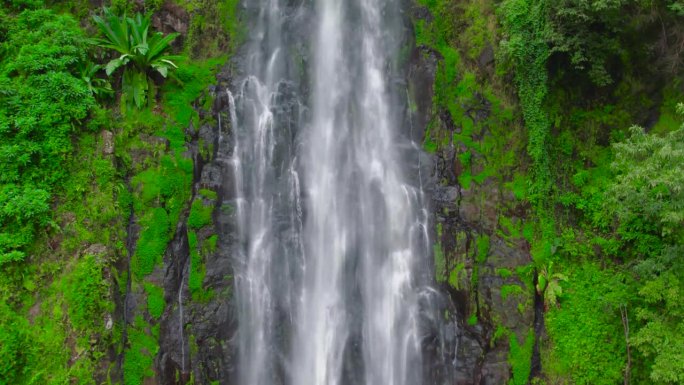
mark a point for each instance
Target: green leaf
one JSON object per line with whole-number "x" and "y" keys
{"x": 114, "y": 64}
{"x": 162, "y": 69}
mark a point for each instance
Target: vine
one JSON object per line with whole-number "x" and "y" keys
{"x": 527, "y": 50}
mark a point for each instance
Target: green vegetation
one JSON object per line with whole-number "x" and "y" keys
{"x": 75, "y": 164}
{"x": 588, "y": 314}
{"x": 604, "y": 215}
{"x": 527, "y": 49}
{"x": 42, "y": 101}
{"x": 595, "y": 219}
{"x": 139, "y": 357}
{"x": 200, "y": 215}
{"x": 138, "y": 51}
{"x": 155, "y": 300}
{"x": 520, "y": 358}
{"x": 85, "y": 293}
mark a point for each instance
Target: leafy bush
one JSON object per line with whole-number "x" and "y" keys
{"x": 586, "y": 333}
{"x": 647, "y": 198}
{"x": 42, "y": 104}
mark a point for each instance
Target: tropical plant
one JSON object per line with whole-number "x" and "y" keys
{"x": 548, "y": 285}
{"x": 97, "y": 86}
{"x": 141, "y": 54}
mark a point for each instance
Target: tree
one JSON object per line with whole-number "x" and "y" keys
{"x": 141, "y": 54}
{"x": 647, "y": 198}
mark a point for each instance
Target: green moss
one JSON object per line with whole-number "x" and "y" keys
{"x": 197, "y": 266}
{"x": 210, "y": 244}
{"x": 197, "y": 271}
{"x": 508, "y": 290}
{"x": 519, "y": 186}
{"x": 86, "y": 293}
{"x": 509, "y": 228}
{"x": 499, "y": 333}
{"x": 472, "y": 320}
{"x": 482, "y": 248}
{"x": 440, "y": 260}
{"x": 478, "y": 33}
{"x": 503, "y": 273}
{"x": 457, "y": 275}
{"x": 139, "y": 357}
{"x": 465, "y": 179}
{"x": 520, "y": 358}
{"x": 155, "y": 300}
{"x": 428, "y": 145}
{"x": 208, "y": 194}
{"x": 179, "y": 98}
{"x": 200, "y": 215}
{"x": 475, "y": 277}
{"x": 152, "y": 243}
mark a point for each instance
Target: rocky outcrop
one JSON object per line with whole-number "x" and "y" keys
{"x": 199, "y": 322}
{"x": 481, "y": 255}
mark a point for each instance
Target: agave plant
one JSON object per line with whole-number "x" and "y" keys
{"x": 141, "y": 53}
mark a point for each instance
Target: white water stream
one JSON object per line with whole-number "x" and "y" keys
{"x": 331, "y": 229}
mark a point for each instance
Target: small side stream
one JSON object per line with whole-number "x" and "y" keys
{"x": 131, "y": 235}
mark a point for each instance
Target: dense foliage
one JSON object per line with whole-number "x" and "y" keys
{"x": 75, "y": 166}
{"x": 43, "y": 102}
{"x": 627, "y": 201}
{"x": 605, "y": 212}
{"x": 647, "y": 198}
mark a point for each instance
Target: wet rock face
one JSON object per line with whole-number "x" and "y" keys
{"x": 471, "y": 248}
{"x": 171, "y": 18}
{"x": 198, "y": 325}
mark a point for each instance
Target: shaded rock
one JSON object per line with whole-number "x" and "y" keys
{"x": 107, "y": 142}
{"x": 170, "y": 18}
{"x": 486, "y": 57}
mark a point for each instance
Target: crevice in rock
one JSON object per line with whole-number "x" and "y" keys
{"x": 536, "y": 367}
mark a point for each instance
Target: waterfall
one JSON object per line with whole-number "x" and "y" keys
{"x": 333, "y": 230}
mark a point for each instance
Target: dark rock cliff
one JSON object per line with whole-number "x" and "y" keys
{"x": 199, "y": 345}
{"x": 477, "y": 251}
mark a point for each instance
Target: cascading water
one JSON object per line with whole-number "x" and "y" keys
{"x": 327, "y": 283}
